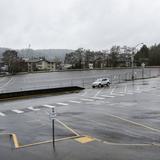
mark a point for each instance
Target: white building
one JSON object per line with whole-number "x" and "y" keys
{"x": 41, "y": 65}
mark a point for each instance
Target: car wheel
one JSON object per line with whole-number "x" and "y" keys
{"x": 93, "y": 86}
{"x": 108, "y": 84}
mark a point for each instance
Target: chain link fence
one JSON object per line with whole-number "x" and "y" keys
{"x": 115, "y": 76}
{"x": 119, "y": 77}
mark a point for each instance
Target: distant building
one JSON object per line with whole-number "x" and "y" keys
{"x": 41, "y": 65}
{"x": 1, "y": 65}
{"x": 1, "y": 62}
{"x": 90, "y": 65}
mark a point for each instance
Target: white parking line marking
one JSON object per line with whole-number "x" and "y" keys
{"x": 17, "y": 111}
{"x": 90, "y": 100}
{"x": 63, "y": 104}
{"x": 129, "y": 93}
{"x": 125, "y": 89}
{"x": 48, "y": 106}
{"x": 84, "y": 93}
{"x": 112, "y": 90}
{"x": 33, "y": 109}
{"x": 107, "y": 96}
{"x": 99, "y": 98}
{"x": 119, "y": 92}
{"x": 2, "y": 114}
{"x": 137, "y": 92}
{"x": 99, "y": 92}
{"x": 75, "y": 102}
{"x": 115, "y": 94}
{"x": 4, "y": 85}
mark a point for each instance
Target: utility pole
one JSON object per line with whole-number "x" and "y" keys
{"x": 143, "y": 65}
{"x": 28, "y": 50}
{"x": 132, "y": 59}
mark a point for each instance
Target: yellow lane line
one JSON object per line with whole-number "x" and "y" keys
{"x": 135, "y": 123}
{"x": 6, "y": 83}
{"x": 127, "y": 144}
{"x": 16, "y": 143}
{"x": 45, "y": 142}
{"x": 63, "y": 124}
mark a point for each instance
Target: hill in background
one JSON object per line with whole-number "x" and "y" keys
{"x": 47, "y": 53}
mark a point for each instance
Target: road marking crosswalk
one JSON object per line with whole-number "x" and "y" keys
{"x": 63, "y": 104}
{"x": 48, "y": 106}
{"x": 129, "y": 93}
{"x": 75, "y": 102}
{"x": 33, "y": 109}
{"x": 99, "y": 98}
{"x": 115, "y": 94}
{"x": 90, "y": 100}
{"x": 17, "y": 111}
{"x": 107, "y": 96}
{"x": 2, "y": 114}
{"x": 120, "y": 92}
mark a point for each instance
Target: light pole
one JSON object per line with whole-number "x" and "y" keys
{"x": 132, "y": 59}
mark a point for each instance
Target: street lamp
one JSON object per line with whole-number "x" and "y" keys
{"x": 132, "y": 58}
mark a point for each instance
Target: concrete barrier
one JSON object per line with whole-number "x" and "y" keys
{"x": 30, "y": 93}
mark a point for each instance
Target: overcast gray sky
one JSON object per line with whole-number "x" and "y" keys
{"x": 94, "y": 24}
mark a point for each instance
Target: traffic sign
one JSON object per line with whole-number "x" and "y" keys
{"x": 52, "y": 115}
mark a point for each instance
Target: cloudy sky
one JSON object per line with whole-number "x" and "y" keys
{"x": 94, "y": 24}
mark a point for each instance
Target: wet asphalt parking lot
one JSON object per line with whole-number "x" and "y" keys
{"x": 120, "y": 123}
{"x": 69, "y": 78}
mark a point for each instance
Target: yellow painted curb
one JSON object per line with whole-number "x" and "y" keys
{"x": 15, "y": 140}
{"x": 85, "y": 139}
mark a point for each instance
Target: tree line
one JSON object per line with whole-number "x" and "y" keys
{"x": 116, "y": 57}
{"x": 148, "y": 55}
{"x": 81, "y": 58}
{"x": 13, "y": 62}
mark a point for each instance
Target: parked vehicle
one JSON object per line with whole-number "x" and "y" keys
{"x": 101, "y": 82}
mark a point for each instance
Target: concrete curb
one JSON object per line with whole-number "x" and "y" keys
{"x": 30, "y": 93}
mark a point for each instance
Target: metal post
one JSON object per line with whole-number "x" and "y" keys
{"x": 132, "y": 61}
{"x": 142, "y": 73}
{"x": 53, "y": 135}
{"x": 143, "y": 65}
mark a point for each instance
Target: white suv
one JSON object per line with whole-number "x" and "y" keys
{"x": 101, "y": 82}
